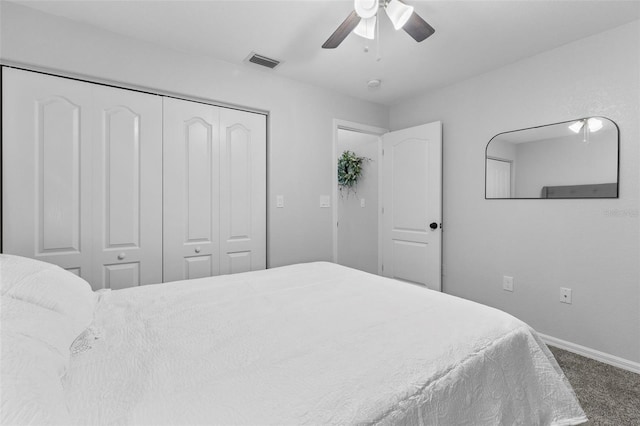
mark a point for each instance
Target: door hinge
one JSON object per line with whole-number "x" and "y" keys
{"x": 383, "y": 152}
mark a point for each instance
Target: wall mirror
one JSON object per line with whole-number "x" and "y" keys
{"x": 572, "y": 159}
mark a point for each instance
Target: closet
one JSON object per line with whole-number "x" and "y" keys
{"x": 127, "y": 188}
{"x": 214, "y": 190}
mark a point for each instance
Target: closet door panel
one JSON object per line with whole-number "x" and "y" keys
{"x": 198, "y": 185}
{"x": 198, "y": 266}
{"x": 242, "y": 191}
{"x": 127, "y": 188}
{"x": 238, "y": 261}
{"x": 122, "y": 275}
{"x": 46, "y": 166}
{"x": 58, "y": 175}
{"x": 191, "y": 190}
{"x": 121, "y": 175}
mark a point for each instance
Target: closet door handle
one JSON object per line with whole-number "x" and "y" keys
{"x": 121, "y": 256}
{"x": 197, "y": 250}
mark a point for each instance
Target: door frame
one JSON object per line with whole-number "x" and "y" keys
{"x": 360, "y": 128}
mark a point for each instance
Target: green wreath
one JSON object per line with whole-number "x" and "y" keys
{"x": 349, "y": 169}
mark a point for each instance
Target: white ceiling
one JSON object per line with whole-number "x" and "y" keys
{"x": 472, "y": 37}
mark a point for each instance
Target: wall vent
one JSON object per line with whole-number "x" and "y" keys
{"x": 262, "y": 60}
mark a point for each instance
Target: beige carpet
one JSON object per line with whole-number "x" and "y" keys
{"x": 608, "y": 395}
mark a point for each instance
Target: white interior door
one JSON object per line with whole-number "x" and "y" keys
{"x": 127, "y": 188}
{"x": 190, "y": 190}
{"x": 412, "y": 205}
{"x": 46, "y": 169}
{"x": 243, "y": 189}
{"x": 498, "y": 178}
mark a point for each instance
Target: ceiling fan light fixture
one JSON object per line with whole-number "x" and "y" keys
{"x": 402, "y": 17}
{"x": 366, "y": 28}
{"x": 366, "y": 8}
{"x": 398, "y": 12}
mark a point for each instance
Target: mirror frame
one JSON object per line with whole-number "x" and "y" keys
{"x": 486, "y": 157}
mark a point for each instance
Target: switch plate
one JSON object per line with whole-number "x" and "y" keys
{"x": 280, "y": 201}
{"x": 507, "y": 283}
{"x": 362, "y": 202}
{"x": 565, "y": 295}
{"x": 325, "y": 201}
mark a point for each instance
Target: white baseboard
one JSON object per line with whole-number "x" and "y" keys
{"x": 616, "y": 361}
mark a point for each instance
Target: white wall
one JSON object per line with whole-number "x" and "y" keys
{"x": 358, "y": 226}
{"x": 591, "y": 246}
{"x": 502, "y": 149}
{"x": 301, "y": 116}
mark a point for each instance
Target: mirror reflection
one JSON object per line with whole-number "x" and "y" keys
{"x": 573, "y": 159}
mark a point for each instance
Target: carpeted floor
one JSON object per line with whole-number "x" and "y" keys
{"x": 608, "y": 395}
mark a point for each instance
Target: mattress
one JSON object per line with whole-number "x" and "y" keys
{"x": 312, "y": 343}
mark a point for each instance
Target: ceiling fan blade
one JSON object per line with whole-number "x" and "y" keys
{"x": 342, "y": 32}
{"x": 418, "y": 28}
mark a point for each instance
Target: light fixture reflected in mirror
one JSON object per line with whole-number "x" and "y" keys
{"x": 577, "y": 126}
{"x": 593, "y": 124}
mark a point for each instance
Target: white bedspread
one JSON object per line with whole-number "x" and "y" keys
{"x": 311, "y": 344}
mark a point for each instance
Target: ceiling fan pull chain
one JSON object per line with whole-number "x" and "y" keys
{"x": 378, "y": 56}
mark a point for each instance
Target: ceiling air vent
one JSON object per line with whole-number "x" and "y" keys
{"x": 262, "y": 60}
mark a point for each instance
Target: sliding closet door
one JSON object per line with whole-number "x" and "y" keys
{"x": 242, "y": 191}
{"x": 191, "y": 190}
{"x": 82, "y": 178}
{"x": 127, "y": 188}
{"x": 46, "y": 169}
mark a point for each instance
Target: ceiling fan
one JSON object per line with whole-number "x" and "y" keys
{"x": 362, "y": 21}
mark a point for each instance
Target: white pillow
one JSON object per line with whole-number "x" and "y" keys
{"x": 48, "y": 286}
{"x": 31, "y": 389}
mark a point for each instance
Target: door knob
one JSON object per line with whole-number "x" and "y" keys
{"x": 121, "y": 256}
{"x": 197, "y": 249}
{"x": 433, "y": 226}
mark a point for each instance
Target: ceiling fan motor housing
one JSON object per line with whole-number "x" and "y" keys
{"x": 366, "y": 8}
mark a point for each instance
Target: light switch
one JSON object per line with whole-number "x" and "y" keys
{"x": 325, "y": 201}
{"x": 507, "y": 283}
{"x": 280, "y": 201}
{"x": 362, "y": 203}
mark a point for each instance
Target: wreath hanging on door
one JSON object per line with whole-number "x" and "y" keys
{"x": 349, "y": 169}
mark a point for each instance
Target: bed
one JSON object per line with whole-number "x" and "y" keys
{"x": 312, "y": 343}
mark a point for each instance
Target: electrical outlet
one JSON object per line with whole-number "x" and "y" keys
{"x": 565, "y": 295}
{"x": 507, "y": 283}
{"x": 280, "y": 201}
